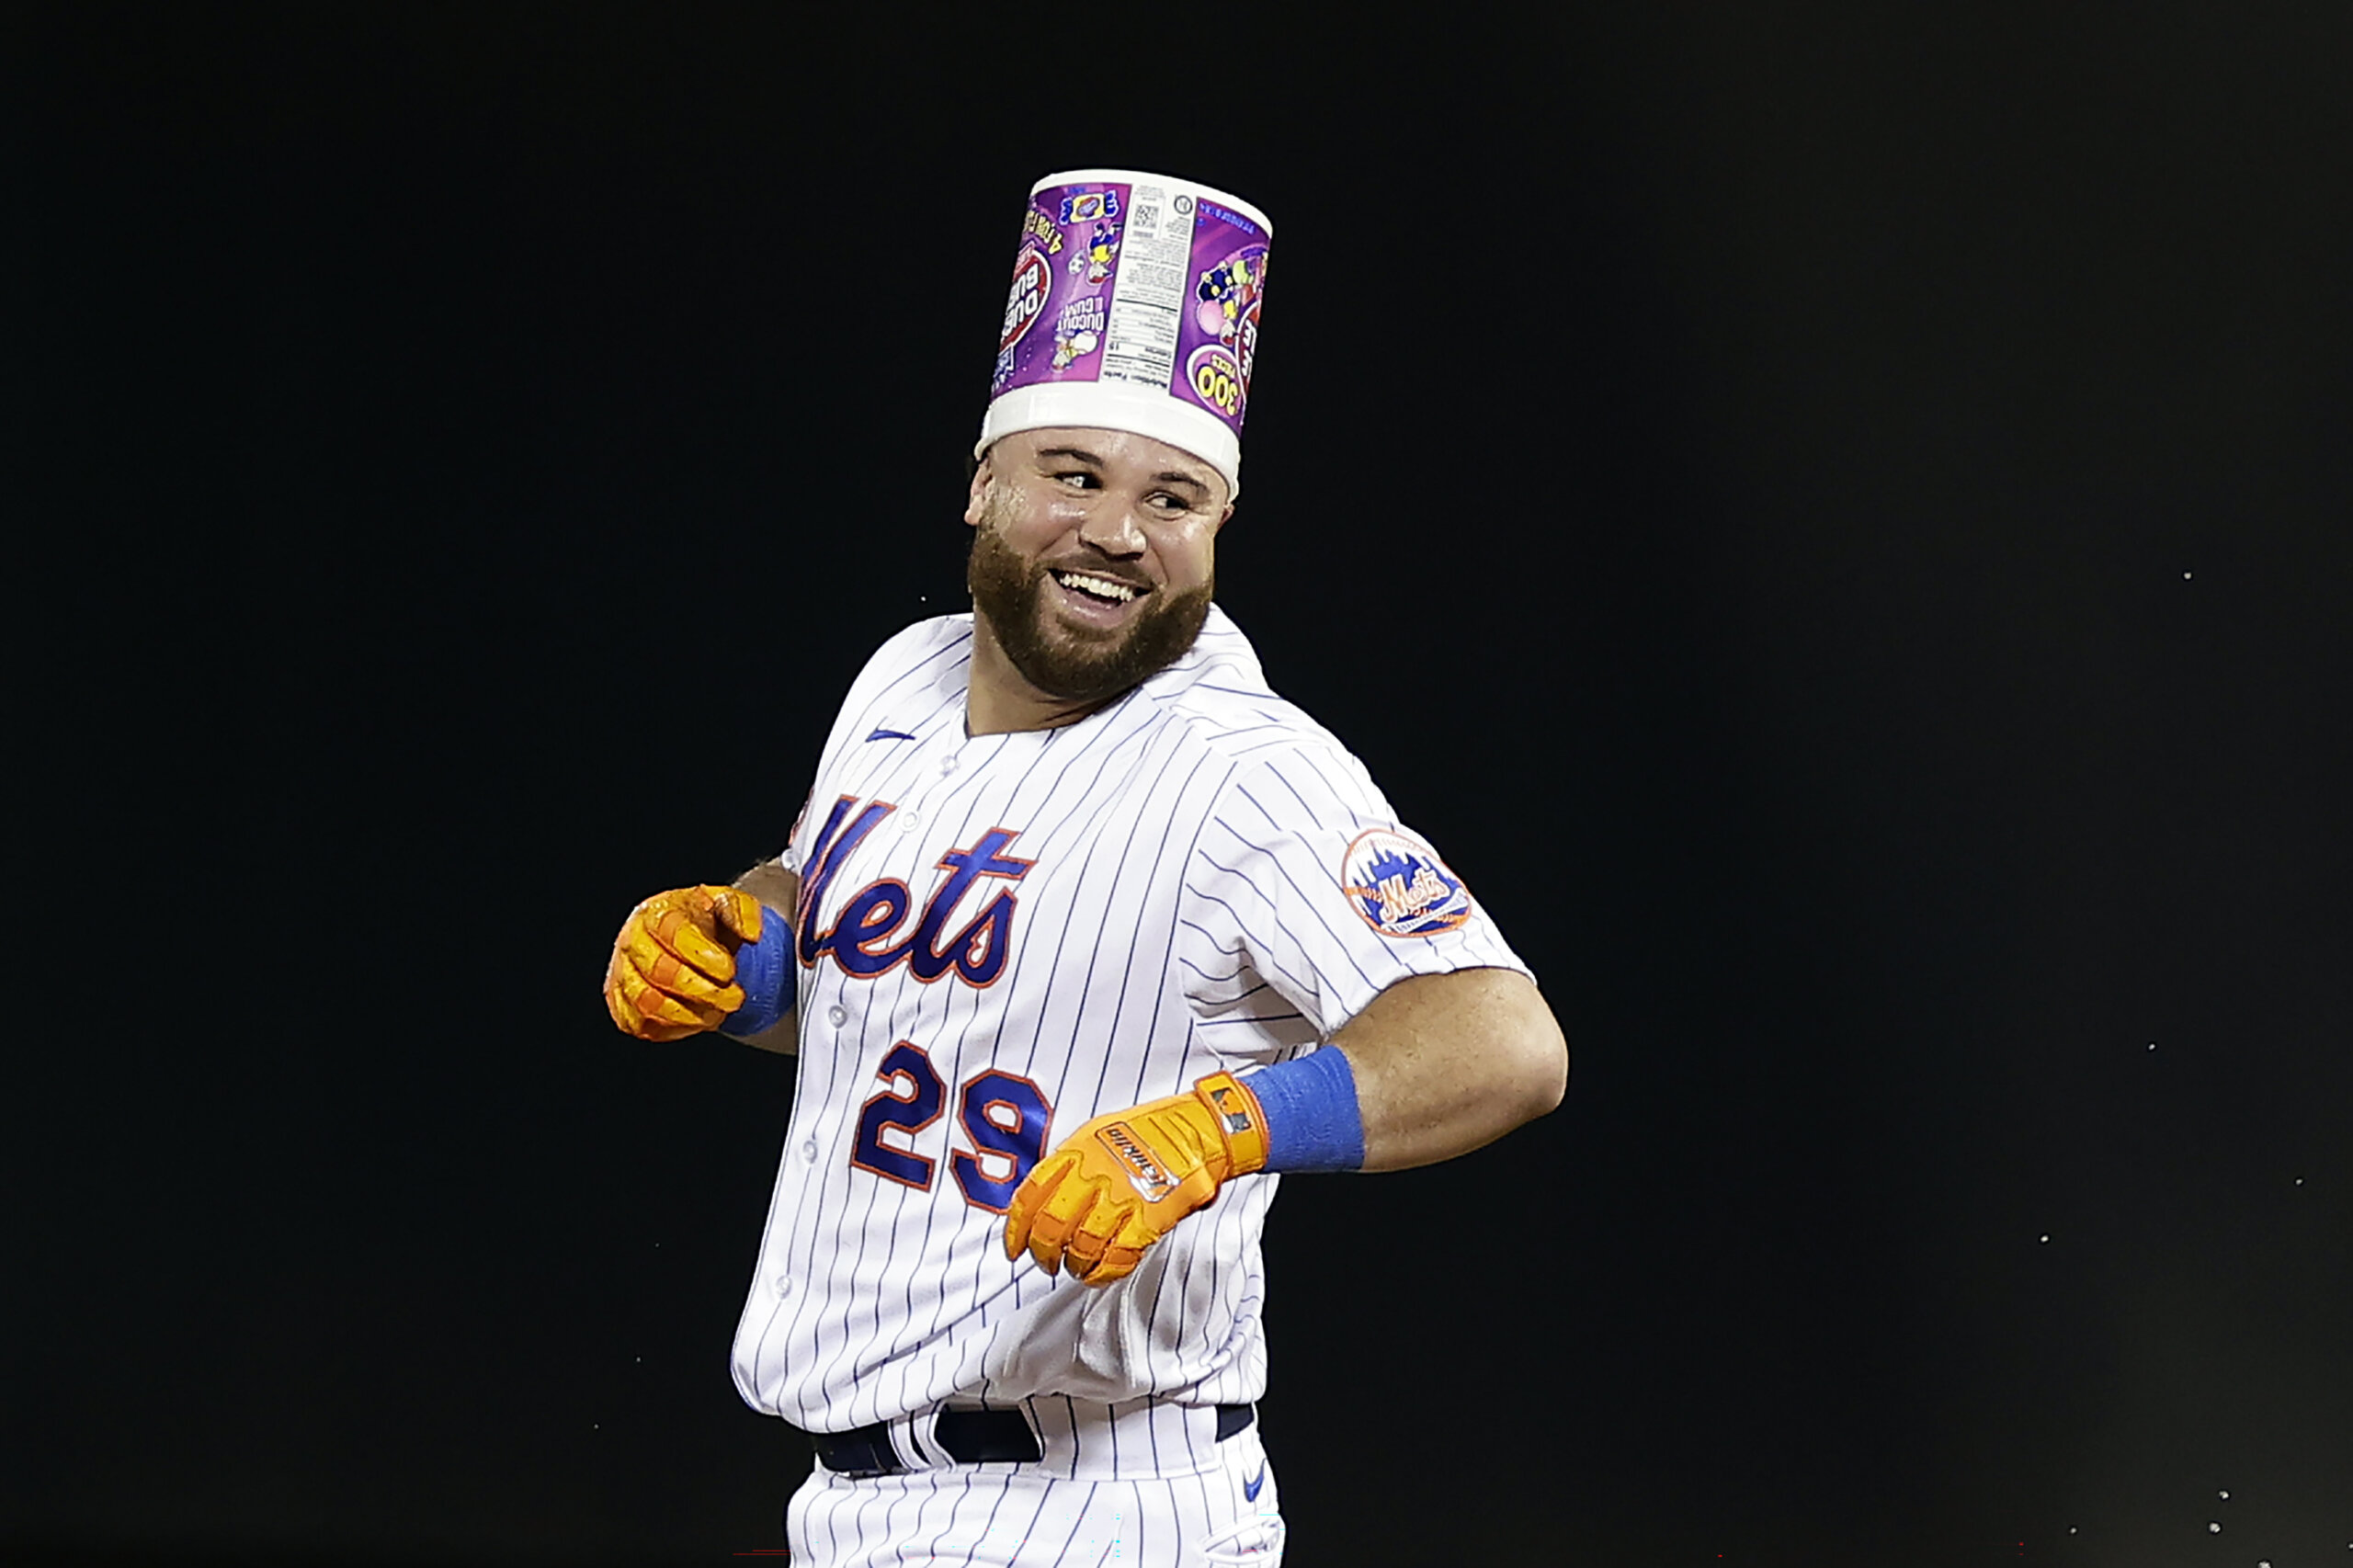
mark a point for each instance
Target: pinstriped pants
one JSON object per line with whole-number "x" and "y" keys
{"x": 1014, "y": 1515}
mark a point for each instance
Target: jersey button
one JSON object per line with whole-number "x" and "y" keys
{"x": 784, "y": 1284}
{"x": 909, "y": 822}
{"x": 809, "y": 1151}
{"x": 948, "y": 765}
{"x": 837, "y": 1014}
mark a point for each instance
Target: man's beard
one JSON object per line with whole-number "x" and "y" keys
{"x": 1009, "y": 594}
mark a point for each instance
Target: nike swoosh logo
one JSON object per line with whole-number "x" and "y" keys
{"x": 1255, "y": 1484}
{"x": 890, "y": 735}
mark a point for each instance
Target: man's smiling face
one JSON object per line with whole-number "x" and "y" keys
{"x": 1092, "y": 555}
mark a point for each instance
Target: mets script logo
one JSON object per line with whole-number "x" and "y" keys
{"x": 1400, "y": 887}
{"x": 864, "y": 938}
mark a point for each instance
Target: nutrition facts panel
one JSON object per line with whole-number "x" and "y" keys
{"x": 1148, "y": 294}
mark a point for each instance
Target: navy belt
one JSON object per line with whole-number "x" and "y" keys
{"x": 968, "y": 1436}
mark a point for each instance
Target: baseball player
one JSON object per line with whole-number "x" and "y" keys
{"x": 1083, "y": 938}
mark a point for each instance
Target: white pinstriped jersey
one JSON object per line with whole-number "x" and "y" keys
{"x": 1004, "y": 936}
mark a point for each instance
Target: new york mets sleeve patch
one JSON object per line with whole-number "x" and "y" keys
{"x": 1400, "y": 887}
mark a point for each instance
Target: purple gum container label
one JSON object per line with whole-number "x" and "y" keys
{"x": 1151, "y": 284}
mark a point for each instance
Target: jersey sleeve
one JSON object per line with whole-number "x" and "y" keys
{"x": 1304, "y": 884}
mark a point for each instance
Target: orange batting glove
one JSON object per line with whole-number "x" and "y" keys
{"x": 1122, "y": 1181}
{"x": 673, "y": 970}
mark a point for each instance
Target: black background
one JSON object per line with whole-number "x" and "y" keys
{"x": 1832, "y": 517}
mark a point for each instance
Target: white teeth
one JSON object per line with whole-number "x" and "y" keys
{"x": 1099, "y": 587}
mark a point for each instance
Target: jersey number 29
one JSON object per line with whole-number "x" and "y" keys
{"x": 1004, "y": 1117}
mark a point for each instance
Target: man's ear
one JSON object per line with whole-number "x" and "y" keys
{"x": 1221, "y": 517}
{"x": 977, "y": 491}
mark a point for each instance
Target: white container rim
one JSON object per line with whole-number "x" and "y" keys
{"x": 1134, "y": 177}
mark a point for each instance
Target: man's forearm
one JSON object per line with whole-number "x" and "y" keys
{"x": 1446, "y": 1062}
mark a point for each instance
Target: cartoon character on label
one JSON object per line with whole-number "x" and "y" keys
{"x": 1228, "y": 291}
{"x": 1102, "y": 249}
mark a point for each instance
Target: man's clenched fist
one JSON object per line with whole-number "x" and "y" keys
{"x": 673, "y": 970}
{"x": 1122, "y": 1181}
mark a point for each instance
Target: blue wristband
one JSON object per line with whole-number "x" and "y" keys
{"x": 764, "y": 969}
{"x": 1312, "y": 1120}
